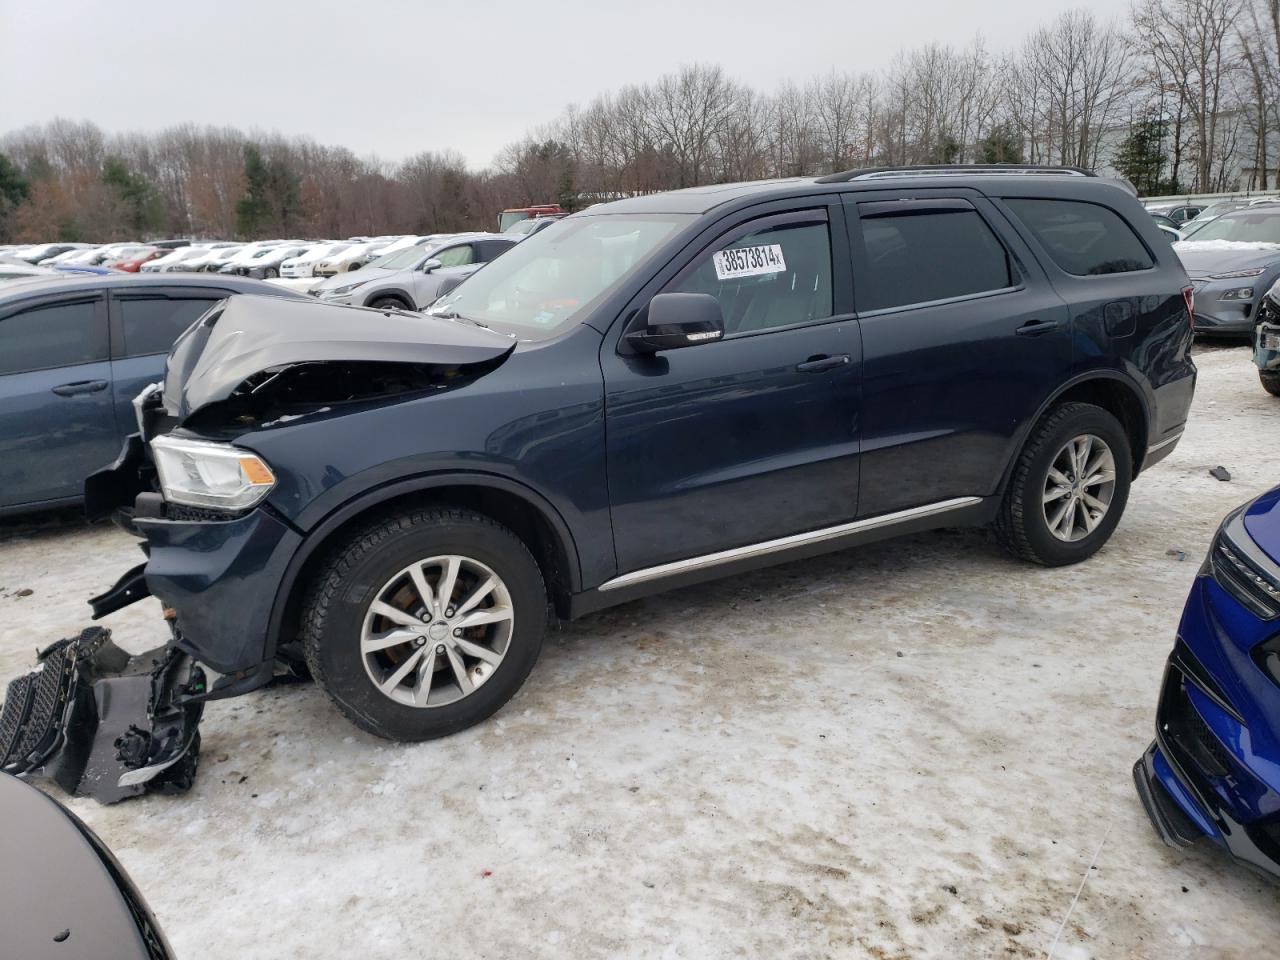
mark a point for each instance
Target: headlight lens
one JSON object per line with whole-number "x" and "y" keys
{"x": 1241, "y": 293}
{"x": 347, "y": 288}
{"x": 199, "y": 473}
{"x": 1238, "y": 274}
{"x": 1243, "y": 570}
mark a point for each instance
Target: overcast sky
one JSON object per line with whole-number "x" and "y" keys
{"x": 394, "y": 77}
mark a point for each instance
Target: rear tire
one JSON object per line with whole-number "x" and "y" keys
{"x": 342, "y": 645}
{"x": 270, "y": 273}
{"x": 1029, "y": 523}
{"x": 1270, "y": 381}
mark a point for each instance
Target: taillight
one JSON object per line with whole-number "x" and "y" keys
{"x": 1189, "y": 298}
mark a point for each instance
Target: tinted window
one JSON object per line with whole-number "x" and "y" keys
{"x": 1083, "y": 238}
{"x": 151, "y": 325}
{"x": 58, "y": 335}
{"x": 937, "y": 255}
{"x": 492, "y": 249}
{"x": 773, "y": 277}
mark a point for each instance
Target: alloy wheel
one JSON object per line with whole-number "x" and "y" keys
{"x": 436, "y": 631}
{"x": 1079, "y": 487}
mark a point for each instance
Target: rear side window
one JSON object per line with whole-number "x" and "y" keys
{"x": 775, "y": 276}
{"x": 57, "y": 335}
{"x": 927, "y": 256}
{"x": 152, "y": 324}
{"x": 1085, "y": 239}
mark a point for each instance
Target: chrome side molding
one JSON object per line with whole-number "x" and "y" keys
{"x": 1164, "y": 443}
{"x": 785, "y": 543}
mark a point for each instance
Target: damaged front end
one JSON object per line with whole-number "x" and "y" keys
{"x": 102, "y": 723}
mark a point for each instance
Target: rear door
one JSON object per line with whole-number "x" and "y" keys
{"x": 963, "y": 338}
{"x": 144, "y": 325}
{"x": 57, "y": 423}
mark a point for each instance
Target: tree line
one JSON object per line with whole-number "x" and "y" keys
{"x": 1181, "y": 96}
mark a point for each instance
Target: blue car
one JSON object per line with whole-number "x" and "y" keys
{"x": 1214, "y": 768}
{"x": 74, "y": 352}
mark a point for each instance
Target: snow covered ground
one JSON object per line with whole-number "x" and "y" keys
{"x": 916, "y": 749}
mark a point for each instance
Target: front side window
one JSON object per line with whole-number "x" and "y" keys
{"x": 550, "y": 281}
{"x": 776, "y": 276}
{"x": 929, "y": 255}
{"x": 152, "y": 324}
{"x": 455, "y": 256}
{"x": 1084, "y": 239}
{"x": 57, "y": 335}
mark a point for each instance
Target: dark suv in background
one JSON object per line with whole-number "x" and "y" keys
{"x": 658, "y": 391}
{"x": 74, "y": 352}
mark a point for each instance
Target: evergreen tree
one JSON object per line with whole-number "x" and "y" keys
{"x": 1002, "y": 144}
{"x": 143, "y": 208}
{"x": 273, "y": 196}
{"x": 1140, "y": 157}
{"x": 13, "y": 190}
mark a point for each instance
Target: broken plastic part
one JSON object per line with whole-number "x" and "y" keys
{"x": 103, "y": 724}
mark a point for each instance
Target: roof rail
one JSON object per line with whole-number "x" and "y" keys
{"x": 954, "y": 169}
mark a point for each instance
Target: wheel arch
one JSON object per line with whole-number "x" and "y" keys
{"x": 1113, "y": 392}
{"x": 526, "y": 513}
{"x": 392, "y": 293}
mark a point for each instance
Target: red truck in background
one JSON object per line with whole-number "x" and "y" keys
{"x": 513, "y": 216}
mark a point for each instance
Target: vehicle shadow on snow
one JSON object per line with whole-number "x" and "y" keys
{"x": 62, "y": 522}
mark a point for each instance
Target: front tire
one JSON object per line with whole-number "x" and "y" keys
{"x": 1270, "y": 381}
{"x": 1069, "y": 487}
{"x": 388, "y": 303}
{"x": 425, "y": 623}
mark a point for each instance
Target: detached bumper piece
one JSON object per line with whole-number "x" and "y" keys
{"x": 102, "y": 723}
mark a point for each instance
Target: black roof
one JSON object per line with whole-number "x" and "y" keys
{"x": 88, "y": 282}
{"x": 995, "y": 180}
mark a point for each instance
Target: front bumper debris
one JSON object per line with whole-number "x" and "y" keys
{"x": 102, "y": 723}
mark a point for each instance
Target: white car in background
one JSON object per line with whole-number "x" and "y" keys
{"x": 352, "y": 258}
{"x": 304, "y": 265}
{"x": 179, "y": 259}
{"x": 265, "y": 263}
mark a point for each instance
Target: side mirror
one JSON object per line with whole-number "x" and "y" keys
{"x": 676, "y": 320}
{"x": 430, "y": 265}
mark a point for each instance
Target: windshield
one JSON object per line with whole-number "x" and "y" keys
{"x": 508, "y": 217}
{"x": 545, "y": 283}
{"x": 402, "y": 259}
{"x": 1243, "y": 227}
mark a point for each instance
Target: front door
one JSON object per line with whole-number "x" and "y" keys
{"x": 752, "y": 437}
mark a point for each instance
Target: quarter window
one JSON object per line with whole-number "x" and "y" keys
{"x": 57, "y": 335}
{"x": 1084, "y": 239}
{"x": 151, "y": 325}
{"x": 776, "y": 276}
{"x": 929, "y": 255}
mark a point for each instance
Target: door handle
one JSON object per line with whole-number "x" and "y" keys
{"x": 822, "y": 363}
{"x": 80, "y": 386}
{"x": 1033, "y": 328}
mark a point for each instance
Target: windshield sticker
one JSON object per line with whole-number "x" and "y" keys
{"x": 749, "y": 261}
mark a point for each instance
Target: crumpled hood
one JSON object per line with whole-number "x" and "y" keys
{"x": 254, "y": 334}
{"x": 1223, "y": 256}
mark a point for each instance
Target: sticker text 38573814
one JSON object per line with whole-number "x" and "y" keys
{"x": 749, "y": 261}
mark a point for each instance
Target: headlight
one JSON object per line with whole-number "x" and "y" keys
{"x": 1239, "y": 274}
{"x": 1241, "y": 293}
{"x": 338, "y": 291}
{"x": 1241, "y": 568}
{"x": 198, "y": 473}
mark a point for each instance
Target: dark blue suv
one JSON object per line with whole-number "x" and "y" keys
{"x": 658, "y": 391}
